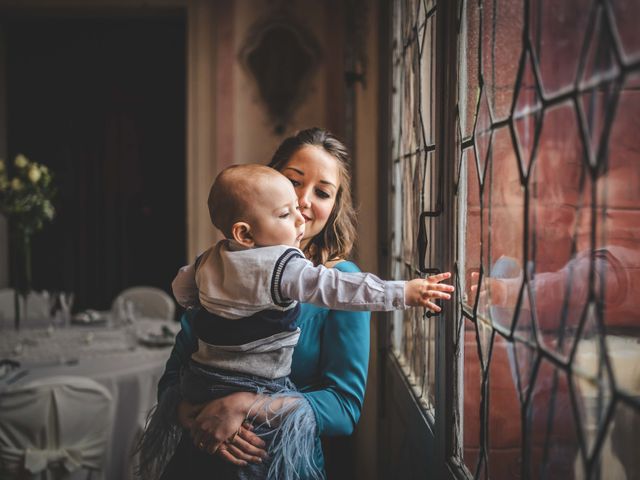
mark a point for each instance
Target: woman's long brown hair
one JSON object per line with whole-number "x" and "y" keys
{"x": 336, "y": 239}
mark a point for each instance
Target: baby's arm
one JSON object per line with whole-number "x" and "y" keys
{"x": 184, "y": 287}
{"x": 355, "y": 291}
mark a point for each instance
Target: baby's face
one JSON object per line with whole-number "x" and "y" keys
{"x": 275, "y": 215}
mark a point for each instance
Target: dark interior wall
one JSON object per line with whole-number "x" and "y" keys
{"x": 102, "y": 103}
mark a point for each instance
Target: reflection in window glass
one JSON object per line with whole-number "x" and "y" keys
{"x": 547, "y": 251}
{"x": 549, "y": 239}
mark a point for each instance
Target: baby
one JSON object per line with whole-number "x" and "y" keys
{"x": 249, "y": 286}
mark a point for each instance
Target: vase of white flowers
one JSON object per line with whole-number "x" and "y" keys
{"x": 26, "y": 194}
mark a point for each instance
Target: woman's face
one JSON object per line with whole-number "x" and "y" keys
{"x": 315, "y": 178}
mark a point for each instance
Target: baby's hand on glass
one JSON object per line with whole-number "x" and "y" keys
{"x": 499, "y": 292}
{"x": 422, "y": 292}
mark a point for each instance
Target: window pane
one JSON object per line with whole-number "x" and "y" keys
{"x": 468, "y": 67}
{"x": 502, "y": 24}
{"x": 472, "y": 228}
{"x": 626, "y": 17}
{"x": 557, "y": 31}
{"x": 548, "y": 185}
{"x": 553, "y": 450}
{"x": 505, "y": 435}
{"x": 415, "y": 185}
{"x": 428, "y": 81}
{"x": 473, "y": 404}
{"x": 559, "y": 195}
{"x": 503, "y": 227}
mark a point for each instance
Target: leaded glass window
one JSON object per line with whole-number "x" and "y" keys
{"x": 547, "y": 227}
{"x": 415, "y": 198}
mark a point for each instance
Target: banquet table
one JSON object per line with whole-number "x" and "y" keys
{"x": 127, "y": 359}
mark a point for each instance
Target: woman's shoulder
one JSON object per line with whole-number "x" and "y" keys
{"x": 342, "y": 265}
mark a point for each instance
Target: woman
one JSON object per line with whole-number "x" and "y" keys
{"x": 331, "y": 358}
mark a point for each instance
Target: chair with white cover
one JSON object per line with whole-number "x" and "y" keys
{"x": 36, "y": 307}
{"x": 150, "y": 302}
{"x": 55, "y": 428}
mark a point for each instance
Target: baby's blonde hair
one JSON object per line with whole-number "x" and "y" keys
{"x": 234, "y": 192}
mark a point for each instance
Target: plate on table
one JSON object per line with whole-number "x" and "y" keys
{"x": 157, "y": 337}
{"x": 155, "y": 340}
{"x": 89, "y": 317}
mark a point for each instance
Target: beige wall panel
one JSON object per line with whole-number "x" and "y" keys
{"x": 255, "y": 139}
{"x": 366, "y": 167}
{"x": 201, "y": 161}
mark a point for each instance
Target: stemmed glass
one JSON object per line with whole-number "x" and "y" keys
{"x": 51, "y": 307}
{"x": 127, "y": 318}
{"x": 66, "y": 303}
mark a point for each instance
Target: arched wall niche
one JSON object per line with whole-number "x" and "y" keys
{"x": 281, "y": 56}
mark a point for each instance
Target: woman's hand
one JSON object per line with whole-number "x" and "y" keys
{"x": 422, "y": 292}
{"x": 187, "y": 413}
{"x": 219, "y": 426}
{"x": 245, "y": 447}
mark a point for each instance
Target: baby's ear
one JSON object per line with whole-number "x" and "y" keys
{"x": 241, "y": 233}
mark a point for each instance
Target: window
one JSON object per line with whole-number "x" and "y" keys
{"x": 543, "y": 118}
{"x": 415, "y": 201}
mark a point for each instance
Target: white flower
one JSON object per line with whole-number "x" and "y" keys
{"x": 34, "y": 174}
{"x": 21, "y": 161}
{"x": 3, "y": 184}
{"x": 48, "y": 210}
{"x": 16, "y": 184}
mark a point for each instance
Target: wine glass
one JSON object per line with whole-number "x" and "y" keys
{"x": 66, "y": 304}
{"x": 50, "y": 307}
{"x": 130, "y": 324}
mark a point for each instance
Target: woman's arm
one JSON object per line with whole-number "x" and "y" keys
{"x": 222, "y": 417}
{"x": 337, "y": 395}
{"x": 344, "y": 362}
{"x": 223, "y": 426}
{"x": 185, "y": 344}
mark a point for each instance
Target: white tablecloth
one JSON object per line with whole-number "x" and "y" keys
{"x": 111, "y": 356}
